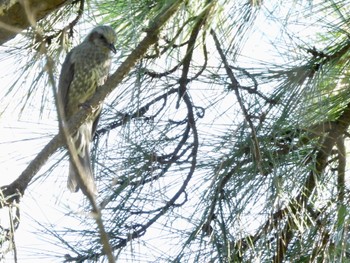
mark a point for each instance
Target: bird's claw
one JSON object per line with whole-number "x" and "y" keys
{"x": 85, "y": 106}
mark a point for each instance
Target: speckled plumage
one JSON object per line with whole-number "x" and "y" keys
{"x": 85, "y": 68}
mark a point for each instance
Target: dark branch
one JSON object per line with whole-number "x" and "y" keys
{"x": 201, "y": 20}
{"x": 16, "y": 189}
{"x": 235, "y": 84}
{"x": 137, "y": 114}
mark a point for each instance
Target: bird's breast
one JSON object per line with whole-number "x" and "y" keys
{"x": 87, "y": 78}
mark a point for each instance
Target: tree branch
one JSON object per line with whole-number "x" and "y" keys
{"x": 301, "y": 201}
{"x": 14, "y": 16}
{"x": 17, "y": 188}
{"x": 201, "y": 19}
{"x": 137, "y": 114}
{"x": 340, "y": 127}
{"x": 235, "y": 85}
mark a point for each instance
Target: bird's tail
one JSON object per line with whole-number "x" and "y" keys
{"x": 82, "y": 140}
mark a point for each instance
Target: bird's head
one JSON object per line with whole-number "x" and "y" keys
{"x": 103, "y": 37}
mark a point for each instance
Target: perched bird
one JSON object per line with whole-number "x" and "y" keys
{"x": 85, "y": 68}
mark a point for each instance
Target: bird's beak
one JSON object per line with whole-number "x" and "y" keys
{"x": 112, "y": 48}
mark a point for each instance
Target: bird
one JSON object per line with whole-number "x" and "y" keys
{"x": 85, "y": 68}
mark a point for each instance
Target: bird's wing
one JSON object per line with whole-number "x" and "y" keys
{"x": 97, "y": 118}
{"x": 66, "y": 77}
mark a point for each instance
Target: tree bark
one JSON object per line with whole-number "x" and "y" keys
{"x": 17, "y": 15}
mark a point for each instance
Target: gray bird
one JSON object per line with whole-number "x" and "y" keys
{"x": 85, "y": 68}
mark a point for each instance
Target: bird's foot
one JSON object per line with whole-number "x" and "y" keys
{"x": 85, "y": 106}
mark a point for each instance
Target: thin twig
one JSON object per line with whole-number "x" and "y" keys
{"x": 84, "y": 186}
{"x": 137, "y": 114}
{"x": 17, "y": 187}
{"x": 71, "y": 25}
{"x": 289, "y": 212}
{"x": 21, "y": 183}
{"x": 12, "y": 233}
{"x": 201, "y": 20}
{"x": 236, "y": 85}
{"x": 341, "y": 169}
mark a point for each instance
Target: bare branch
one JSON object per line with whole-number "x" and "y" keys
{"x": 17, "y": 188}
{"x": 235, "y": 84}
{"x": 13, "y": 15}
{"x": 341, "y": 168}
{"x": 201, "y": 20}
{"x": 137, "y": 114}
